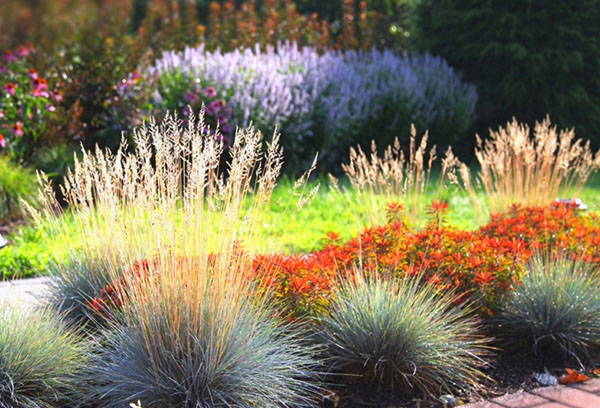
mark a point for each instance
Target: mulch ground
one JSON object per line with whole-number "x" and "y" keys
{"x": 508, "y": 374}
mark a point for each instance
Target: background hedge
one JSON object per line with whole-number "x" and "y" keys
{"x": 527, "y": 57}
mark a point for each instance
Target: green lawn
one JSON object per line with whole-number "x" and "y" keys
{"x": 285, "y": 229}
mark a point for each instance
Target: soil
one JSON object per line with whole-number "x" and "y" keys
{"x": 8, "y": 227}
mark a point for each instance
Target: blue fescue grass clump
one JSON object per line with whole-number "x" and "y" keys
{"x": 180, "y": 352}
{"x": 556, "y": 308}
{"x": 74, "y": 282}
{"x": 402, "y": 336}
{"x": 40, "y": 360}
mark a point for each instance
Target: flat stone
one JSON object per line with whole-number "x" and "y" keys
{"x": 581, "y": 395}
{"x": 520, "y": 400}
{"x": 24, "y": 292}
{"x": 569, "y": 396}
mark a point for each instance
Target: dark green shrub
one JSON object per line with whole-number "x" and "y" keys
{"x": 556, "y": 308}
{"x": 41, "y": 361}
{"x": 93, "y": 64}
{"x": 401, "y": 335}
{"x": 528, "y": 58}
{"x": 55, "y": 162}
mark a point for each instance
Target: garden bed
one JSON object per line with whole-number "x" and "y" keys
{"x": 188, "y": 255}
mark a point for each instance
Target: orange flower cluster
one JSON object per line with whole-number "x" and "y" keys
{"x": 473, "y": 265}
{"x": 559, "y": 228}
{"x": 113, "y": 295}
{"x": 480, "y": 265}
{"x": 231, "y": 26}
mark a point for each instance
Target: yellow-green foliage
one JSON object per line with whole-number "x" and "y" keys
{"x": 17, "y": 183}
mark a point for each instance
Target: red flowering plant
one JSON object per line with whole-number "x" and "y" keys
{"x": 112, "y": 297}
{"x": 477, "y": 267}
{"x": 562, "y": 228}
{"x": 27, "y": 103}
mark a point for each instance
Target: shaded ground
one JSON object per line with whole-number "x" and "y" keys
{"x": 508, "y": 374}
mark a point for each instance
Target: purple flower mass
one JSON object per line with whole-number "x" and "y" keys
{"x": 298, "y": 90}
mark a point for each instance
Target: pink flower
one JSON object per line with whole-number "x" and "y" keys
{"x": 37, "y": 93}
{"x": 39, "y": 84}
{"x": 2, "y": 140}
{"x": 191, "y": 98}
{"x": 210, "y": 111}
{"x": 1, "y": 114}
{"x": 32, "y": 73}
{"x": 210, "y": 92}
{"x": 225, "y": 129}
{"x": 10, "y": 88}
{"x": 17, "y": 128}
{"x": 9, "y": 56}
{"x": 51, "y": 108}
{"x": 57, "y": 95}
{"x": 216, "y": 106}
{"x": 22, "y": 51}
{"x": 40, "y": 87}
{"x": 222, "y": 119}
{"x": 3, "y": 69}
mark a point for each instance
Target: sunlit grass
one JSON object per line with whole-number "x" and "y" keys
{"x": 296, "y": 232}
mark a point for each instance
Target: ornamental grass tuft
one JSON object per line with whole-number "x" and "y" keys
{"x": 41, "y": 361}
{"x": 556, "y": 308}
{"x": 402, "y": 336}
{"x": 530, "y": 168}
{"x": 190, "y": 331}
{"x": 398, "y": 177}
{"x": 73, "y": 284}
{"x": 198, "y": 345}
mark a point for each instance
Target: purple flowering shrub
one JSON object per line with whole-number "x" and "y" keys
{"x": 178, "y": 92}
{"x": 27, "y": 103}
{"x": 321, "y": 102}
